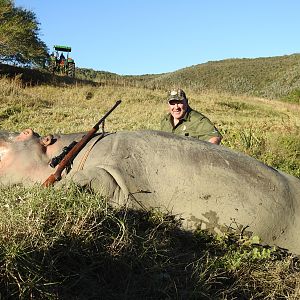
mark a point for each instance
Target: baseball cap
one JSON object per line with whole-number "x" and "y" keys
{"x": 177, "y": 94}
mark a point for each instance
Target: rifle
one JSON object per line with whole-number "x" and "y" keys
{"x": 70, "y": 156}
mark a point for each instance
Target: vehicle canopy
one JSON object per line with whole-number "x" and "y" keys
{"x": 60, "y": 64}
{"x": 62, "y": 48}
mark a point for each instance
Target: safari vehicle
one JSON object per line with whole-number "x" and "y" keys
{"x": 60, "y": 62}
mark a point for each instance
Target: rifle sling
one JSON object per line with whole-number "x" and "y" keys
{"x": 87, "y": 152}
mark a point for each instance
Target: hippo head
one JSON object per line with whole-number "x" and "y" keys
{"x": 23, "y": 157}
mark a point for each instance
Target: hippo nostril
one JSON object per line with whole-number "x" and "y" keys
{"x": 25, "y": 135}
{"x": 28, "y": 131}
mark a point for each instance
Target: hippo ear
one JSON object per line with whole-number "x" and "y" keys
{"x": 47, "y": 140}
{"x": 25, "y": 135}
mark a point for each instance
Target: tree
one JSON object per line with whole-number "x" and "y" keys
{"x": 19, "y": 41}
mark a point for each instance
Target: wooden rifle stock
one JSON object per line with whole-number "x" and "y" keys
{"x": 67, "y": 160}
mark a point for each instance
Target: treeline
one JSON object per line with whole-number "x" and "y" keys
{"x": 19, "y": 41}
{"x": 108, "y": 78}
{"x": 103, "y": 78}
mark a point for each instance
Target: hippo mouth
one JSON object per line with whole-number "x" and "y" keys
{"x": 7, "y": 136}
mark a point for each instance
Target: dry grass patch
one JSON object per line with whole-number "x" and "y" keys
{"x": 268, "y": 130}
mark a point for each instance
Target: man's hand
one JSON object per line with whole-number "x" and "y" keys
{"x": 215, "y": 140}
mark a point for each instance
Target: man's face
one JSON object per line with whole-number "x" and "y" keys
{"x": 177, "y": 108}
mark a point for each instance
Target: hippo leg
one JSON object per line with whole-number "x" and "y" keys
{"x": 99, "y": 180}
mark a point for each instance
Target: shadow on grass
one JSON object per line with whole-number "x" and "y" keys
{"x": 37, "y": 77}
{"x": 130, "y": 255}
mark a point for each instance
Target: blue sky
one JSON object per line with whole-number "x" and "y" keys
{"x": 133, "y": 37}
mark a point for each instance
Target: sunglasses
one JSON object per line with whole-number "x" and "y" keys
{"x": 173, "y": 102}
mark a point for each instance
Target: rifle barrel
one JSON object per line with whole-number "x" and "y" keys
{"x": 107, "y": 114}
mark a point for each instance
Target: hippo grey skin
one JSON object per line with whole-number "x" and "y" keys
{"x": 207, "y": 185}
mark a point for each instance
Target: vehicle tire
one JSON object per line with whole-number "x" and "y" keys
{"x": 71, "y": 69}
{"x": 52, "y": 66}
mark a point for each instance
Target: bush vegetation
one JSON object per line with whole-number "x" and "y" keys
{"x": 70, "y": 244}
{"x": 19, "y": 41}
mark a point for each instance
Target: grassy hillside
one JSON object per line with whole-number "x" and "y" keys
{"x": 70, "y": 244}
{"x": 271, "y": 77}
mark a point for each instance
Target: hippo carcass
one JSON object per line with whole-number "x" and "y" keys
{"x": 207, "y": 185}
